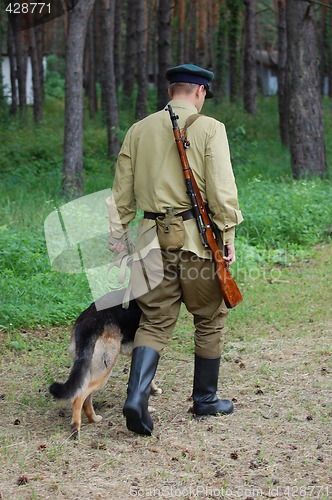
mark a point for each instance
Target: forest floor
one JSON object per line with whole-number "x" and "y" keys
{"x": 277, "y": 444}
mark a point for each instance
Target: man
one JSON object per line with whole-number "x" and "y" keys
{"x": 149, "y": 175}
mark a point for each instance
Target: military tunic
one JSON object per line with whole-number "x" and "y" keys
{"x": 149, "y": 176}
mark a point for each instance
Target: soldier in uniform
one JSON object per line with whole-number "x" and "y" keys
{"x": 149, "y": 176}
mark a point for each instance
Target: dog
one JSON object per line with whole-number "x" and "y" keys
{"x": 101, "y": 332}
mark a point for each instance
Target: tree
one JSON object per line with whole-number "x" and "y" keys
{"x": 233, "y": 30}
{"x": 21, "y": 62}
{"x": 282, "y": 61}
{"x": 12, "y": 62}
{"x": 191, "y": 39}
{"x": 118, "y": 42}
{"x": 91, "y": 70}
{"x": 1, "y": 52}
{"x": 141, "y": 57}
{"x": 182, "y": 13}
{"x": 130, "y": 52}
{"x": 323, "y": 45}
{"x": 306, "y": 131}
{"x": 164, "y": 49}
{"x": 74, "y": 112}
{"x": 330, "y": 50}
{"x": 107, "y": 31}
{"x": 249, "y": 58}
{"x": 220, "y": 57}
{"x": 39, "y": 31}
{"x": 36, "y": 83}
{"x": 202, "y": 22}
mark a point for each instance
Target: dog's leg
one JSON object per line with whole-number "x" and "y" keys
{"x": 77, "y": 416}
{"x": 155, "y": 389}
{"x": 89, "y": 410}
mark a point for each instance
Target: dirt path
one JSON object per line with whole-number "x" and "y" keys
{"x": 277, "y": 443}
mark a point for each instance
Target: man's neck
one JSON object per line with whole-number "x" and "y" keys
{"x": 185, "y": 97}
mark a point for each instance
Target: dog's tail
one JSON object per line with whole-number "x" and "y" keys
{"x": 78, "y": 377}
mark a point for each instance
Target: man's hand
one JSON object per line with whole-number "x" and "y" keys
{"x": 229, "y": 257}
{"x": 119, "y": 247}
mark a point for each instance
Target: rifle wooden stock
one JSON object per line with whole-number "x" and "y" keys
{"x": 229, "y": 290}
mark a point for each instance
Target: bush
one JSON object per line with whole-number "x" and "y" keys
{"x": 54, "y": 85}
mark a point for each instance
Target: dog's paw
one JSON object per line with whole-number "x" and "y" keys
{"x": 97, "y": 419}
{"x": 75, "y": 433}
{"x": 156, "y": 390}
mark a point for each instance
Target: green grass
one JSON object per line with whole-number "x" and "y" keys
{"x": 283, "y": 218}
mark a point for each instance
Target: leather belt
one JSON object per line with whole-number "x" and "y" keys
{"x": 186, "y": 215}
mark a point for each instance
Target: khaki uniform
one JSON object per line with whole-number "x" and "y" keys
{"x": 149, "y": 176}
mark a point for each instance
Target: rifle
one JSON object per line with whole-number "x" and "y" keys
{"x": 229, "y": 290}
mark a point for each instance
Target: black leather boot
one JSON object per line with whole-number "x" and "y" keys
{"x": 205, "y": 397}
{"x": 143, "y": 368}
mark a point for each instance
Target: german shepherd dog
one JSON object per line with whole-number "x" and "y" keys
{"x": 100, "y": 333}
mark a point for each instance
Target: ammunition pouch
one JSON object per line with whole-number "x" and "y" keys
{"x": 170, "y": 231}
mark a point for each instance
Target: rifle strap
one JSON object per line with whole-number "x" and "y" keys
{"x": 190, "y": 120}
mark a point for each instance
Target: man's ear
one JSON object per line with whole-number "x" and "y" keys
{"x": 199, "y": 90}
{"x": 169, "y": 92}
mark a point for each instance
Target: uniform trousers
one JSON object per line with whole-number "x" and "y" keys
{"x": 187, "y": 278}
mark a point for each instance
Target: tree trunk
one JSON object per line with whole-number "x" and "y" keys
{"x": 37, "y": 87}
{"x": 306, "y": 131}
{"x": 282, "y": 62}
{"x": 20, "y": 69}
{"x": 249, "y": 58}
{"x": 182, "y": 13}
{"x": 12, "y": 62}
{"x": 233, "y": 47}
{"x": 212, "y": 8}
{"x": 202, "y": 23}
{"x": 39, "y": 40}
{"x": 164, "y": 49}
{"x": 190, "y": 46}
{"x": 323, "y": 46}
{"x": 118, "y": 43}
{"x": 112, "y": 118}
{"x": 130, "y": 53}
{"x": 91, "y": 82}
{"x": 97, "y": 45}
{"x": 74, "y": 111}
{"x": 2, "y": 25}
{"x": 152, "y": 43}
{"x": 330, "y": 49}
{"x": 141, "y": 57}
{"x": 220, "y": 68}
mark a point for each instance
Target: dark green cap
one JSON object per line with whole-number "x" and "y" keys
{"x": 190, "y": 73}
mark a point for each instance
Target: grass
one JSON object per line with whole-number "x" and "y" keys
{"x": 284, "y": 219}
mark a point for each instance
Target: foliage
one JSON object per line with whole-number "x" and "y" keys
{"x": 283, "y": 218}
{"x": 32, "y": 293}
